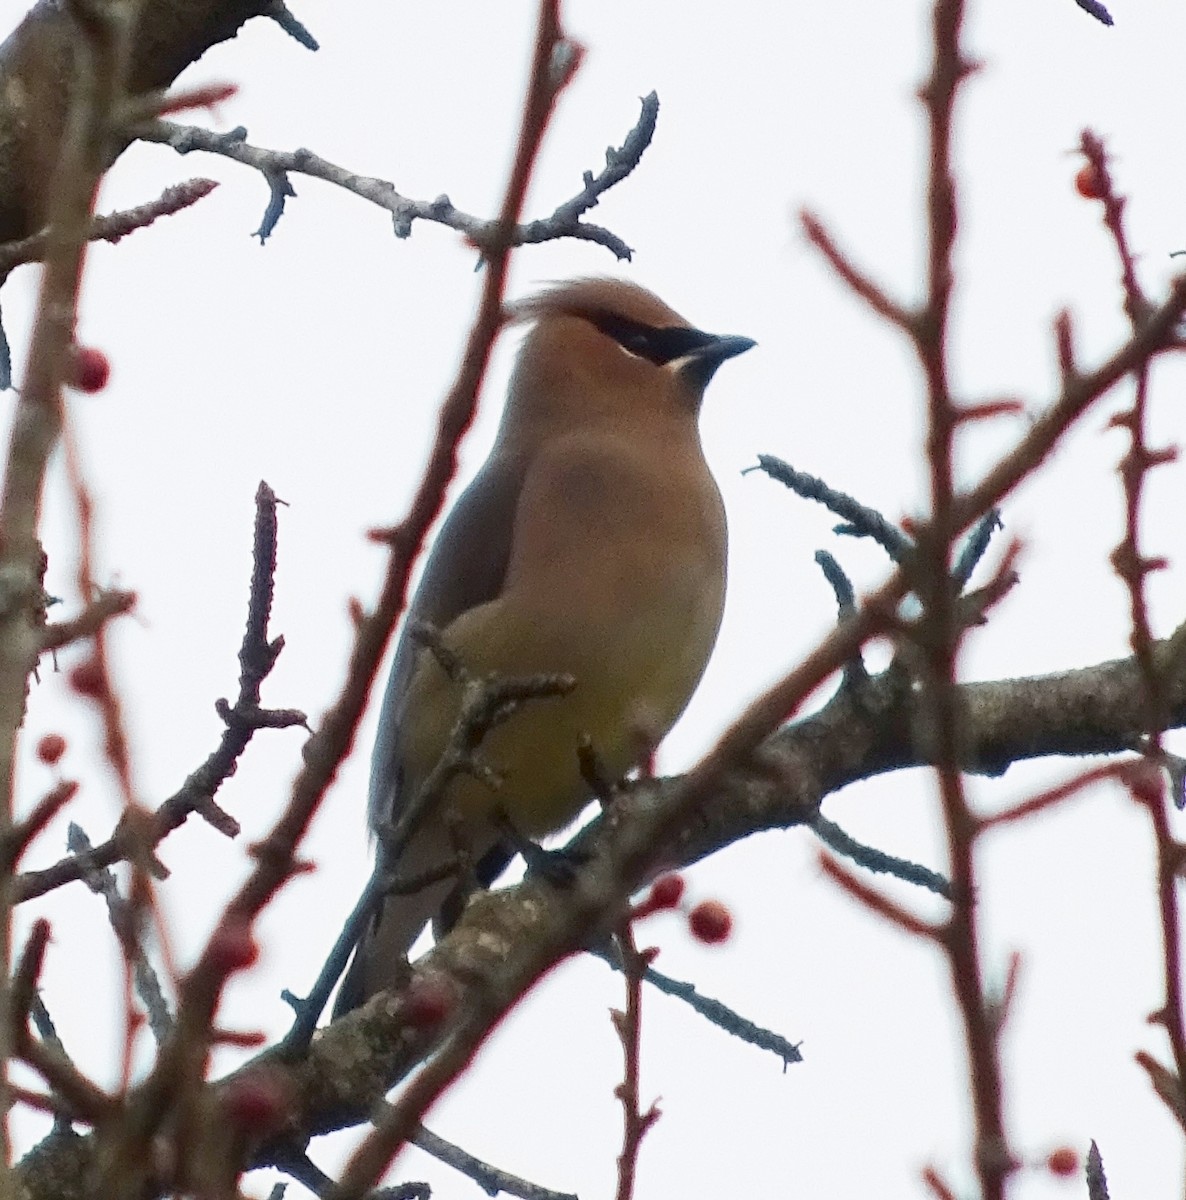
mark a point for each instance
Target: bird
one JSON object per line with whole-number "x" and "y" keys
{"x": 592, "y": 542}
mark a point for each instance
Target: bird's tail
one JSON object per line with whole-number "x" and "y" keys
{"x": 381, "y": 960}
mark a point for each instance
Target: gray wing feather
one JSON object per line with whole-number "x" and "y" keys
{"x": 466, "y": 568}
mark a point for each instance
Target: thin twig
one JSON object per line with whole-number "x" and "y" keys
{"x": 1134, "y": 566}
{"x": 876, "y": 860}
{"x": 1055, "y": 795}
{"x": 27, "y": 973}
{"x": 97, "y": 613}
{"x": 855, "y": 671}
{"x": 127, "y": 924}
{"x": 491, "y": 1179}
{"x": 282, "y": 15}
{"x": 1097, "y": 1181}
{"x": 43, "y": 813}
{"x": 862, "y": 521}
{"x": 112, "y": 226}
{"x": 860, "y": 283}
{"x": 277, "y": 165}
{"x": 257, "y": 657}
{"x": 878, "y": 903}
{"x": 628, "y": 1025}
{"x": 941, "y": 625}
{"x": 713, "y": 1011}
{"x": 485, "y": 704}
{"x": 975, "y": 547}
{"x": 99, "y": 48}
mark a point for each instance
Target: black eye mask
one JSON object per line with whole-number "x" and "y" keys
{"x": 659, "y": 346}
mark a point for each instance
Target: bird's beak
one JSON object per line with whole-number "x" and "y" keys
{"x": 702, "y": 362}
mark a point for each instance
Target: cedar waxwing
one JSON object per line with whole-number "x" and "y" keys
{"x": 592, "y": 543}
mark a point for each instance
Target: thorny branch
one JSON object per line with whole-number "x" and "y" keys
{"x": 940, "y": 629}
{"x": 257, "y": 656}
{"x": 1134, "y": 566}
{"x": 100, "y": 44}
{"x": 628, "y": 1025}
{"x": 931, "y": 571}
{"x": 939, "y": 632}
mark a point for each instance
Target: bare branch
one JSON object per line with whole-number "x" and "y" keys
{"x": 628, "y": 1025}
{"x": 137, "y": 836}
{"x": 489, "y": 1178}
{"x": 126, "y": 922}
{"x": 97, "y": 613}
{"x": 113, "y": 226}
{"x": 883, "y": 906}
{"x": 861, "y": 284}
{"x": 277, "y": 165}
{"x": 876, "y": 860}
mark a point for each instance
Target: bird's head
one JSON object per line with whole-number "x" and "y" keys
{"x": 609, "y": 348}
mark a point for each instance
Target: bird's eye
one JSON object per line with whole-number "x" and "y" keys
{"x": 657, "y": 345}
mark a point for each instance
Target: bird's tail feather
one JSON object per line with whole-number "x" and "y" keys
{"x": 380, "y": 961}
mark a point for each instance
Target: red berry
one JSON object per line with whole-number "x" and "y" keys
{"x": 258, "y": 1103}
{"x": 666, "y": 891}
{"x": 232, "y": 947}
{"x": 1088, "y": 183}
{"x": 50, "y": 748}
{"x": 1063, "y": 1161}
{"x": 428, "y": 1002}
{"x": 89, "y": 369}
{"x": 87, "y": 678}
{"x": 711, "y": 922}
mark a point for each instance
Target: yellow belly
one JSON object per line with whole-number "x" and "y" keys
{"x": 635, "y": 671}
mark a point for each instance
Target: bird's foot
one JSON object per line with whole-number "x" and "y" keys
{"x": 558, "y": 867}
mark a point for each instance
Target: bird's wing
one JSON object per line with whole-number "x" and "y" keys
{"x": 466, "y": 568}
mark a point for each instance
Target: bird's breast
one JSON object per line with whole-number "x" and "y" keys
{"x": 617, "y": 578}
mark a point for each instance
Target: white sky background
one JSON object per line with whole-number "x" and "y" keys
{"x": 317, "y": 363}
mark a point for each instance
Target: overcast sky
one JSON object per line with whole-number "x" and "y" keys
{"x": 317, "y": 361}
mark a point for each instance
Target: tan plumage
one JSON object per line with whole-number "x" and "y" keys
{"x": 591, "y": 542}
